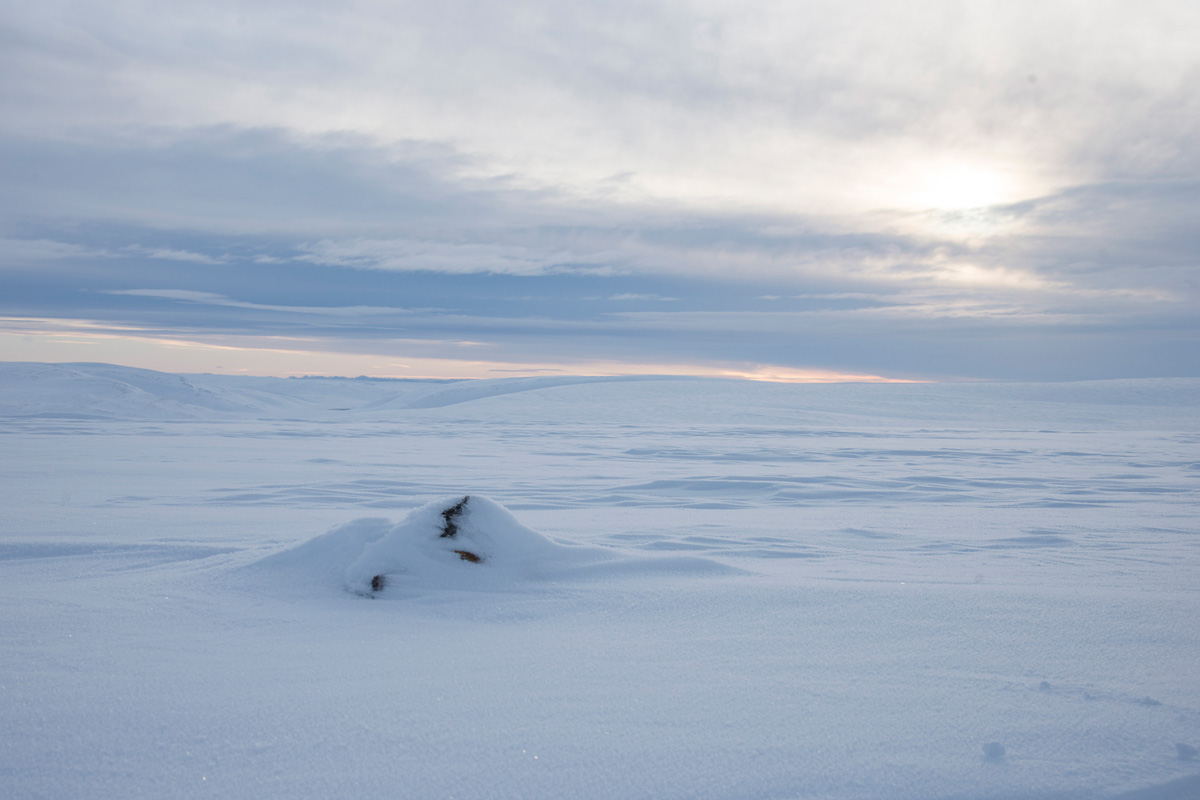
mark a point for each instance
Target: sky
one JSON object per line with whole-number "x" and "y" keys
{"x": 819, "y": 190}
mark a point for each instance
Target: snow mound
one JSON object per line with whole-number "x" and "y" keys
{"x": 456, "y": 542}
{"x": 465, "y": 542}
{"x": 323, "y": 560}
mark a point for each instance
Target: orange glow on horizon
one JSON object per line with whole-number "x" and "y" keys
{"x": 65, "y": 341}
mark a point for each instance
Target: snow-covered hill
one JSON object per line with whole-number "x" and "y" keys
{"x": 105, "y": 391}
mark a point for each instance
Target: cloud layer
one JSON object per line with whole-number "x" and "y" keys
{"x": 990, "y": 190}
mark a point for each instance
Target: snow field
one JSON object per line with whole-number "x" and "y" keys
{"x": 730, "y": 591}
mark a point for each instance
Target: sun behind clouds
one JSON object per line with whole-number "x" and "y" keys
{"x": 962, "y": 187}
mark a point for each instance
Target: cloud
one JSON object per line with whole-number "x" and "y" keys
{"x": 646, "y": 297}
{"x": 167, "y": 254}
{"x": 964, "y": 189}
{"x": 454, "y": 257}
{"x": 796, "y": 107}
{"x": 209, "y": 298}
{"x": 221, "y": 179}
{"x": 15, "y": 252}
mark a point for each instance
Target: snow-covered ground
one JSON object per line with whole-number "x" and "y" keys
{"x": 687, "y": 588}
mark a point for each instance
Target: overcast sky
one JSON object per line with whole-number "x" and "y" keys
{"x": 791, "y": 190}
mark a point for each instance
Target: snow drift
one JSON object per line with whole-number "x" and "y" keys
{"x": 464, "y": 542}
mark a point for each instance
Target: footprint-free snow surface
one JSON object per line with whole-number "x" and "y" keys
{"x": 580, "y": 588}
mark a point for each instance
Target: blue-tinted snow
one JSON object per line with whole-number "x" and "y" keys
{"x": 696, "y": 588}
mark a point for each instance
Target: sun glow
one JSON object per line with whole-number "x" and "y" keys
{"x": 962, "y": 187}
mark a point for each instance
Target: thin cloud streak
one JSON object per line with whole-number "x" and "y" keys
{"x": 209, "y": 298}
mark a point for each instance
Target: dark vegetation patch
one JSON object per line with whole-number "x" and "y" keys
{"x": 450, "y": 517}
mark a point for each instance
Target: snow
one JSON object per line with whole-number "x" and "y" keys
{"x": 686, "y": 588}
{"x": 467, "y": 543}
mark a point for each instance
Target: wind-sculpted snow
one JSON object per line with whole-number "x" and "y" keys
{"x": 487, "y": 549}
{"x": 239, "y": 587}
{"x": 468, "y": 391}
{"x": 102, "y": 391}
{"x": 105, "y": 391}
{"x": 466, "y": 541}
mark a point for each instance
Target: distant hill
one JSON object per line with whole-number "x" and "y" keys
{"x": 108, "y": 392}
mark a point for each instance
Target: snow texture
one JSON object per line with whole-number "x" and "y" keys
{"x": 244, "y": 588}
